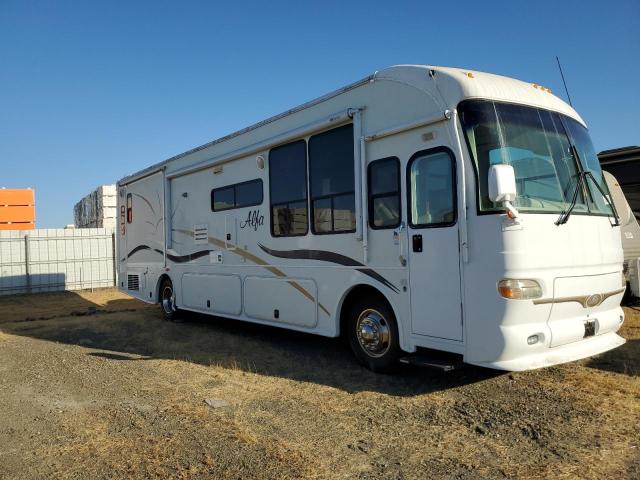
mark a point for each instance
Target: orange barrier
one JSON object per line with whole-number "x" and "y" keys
{"x": 17, "y": 209}
{"x": 17, "y": 197}
{"x": 18, "y": 226}
{"x": 17, "y": 214}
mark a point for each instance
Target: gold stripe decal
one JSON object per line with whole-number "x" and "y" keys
{"x": 258, "y": 261}
{"x": 587, "y": 301}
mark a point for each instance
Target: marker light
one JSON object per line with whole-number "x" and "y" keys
{"x": 533, "y": 339}
{"x": 519, "y": 289}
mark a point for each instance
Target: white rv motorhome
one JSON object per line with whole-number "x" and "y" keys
{"x": 422, "y": 208}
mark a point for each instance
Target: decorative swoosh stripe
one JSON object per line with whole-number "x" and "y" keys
{"x": 331, "y": 257}
{"x": 173, "y": 258}
{"x": 140, "y": 248}
{"x": 187, "y": 258}
{"x": 258, "y": 261}
{"x": 587, "y": 301}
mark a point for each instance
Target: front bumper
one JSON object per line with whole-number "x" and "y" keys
{"x": 557, "y": 355}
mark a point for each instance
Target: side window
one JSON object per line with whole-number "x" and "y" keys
{"x": 432, "y": 189}
{"x": 384, "y": 193}
{"x": 249, "y": 194}
{"x": 223, "y": 199}
{"x": 288, "y": 189}
{"x": 239, "y": 195}
{"x": 333, "y": 202}
{"x": 129, "y": 208}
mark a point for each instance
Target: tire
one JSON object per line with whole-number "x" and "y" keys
{"x": 167, "y": 302}
{"x": 373, "y": 334}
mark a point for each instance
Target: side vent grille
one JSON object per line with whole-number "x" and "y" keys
{"x": 201, "y": 233}
{"x": 133, "y": 282}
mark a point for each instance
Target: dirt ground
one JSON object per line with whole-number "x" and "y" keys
{"x": 96, "y": 385}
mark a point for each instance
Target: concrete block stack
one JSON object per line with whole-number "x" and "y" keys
{"x": 98, "y": 209}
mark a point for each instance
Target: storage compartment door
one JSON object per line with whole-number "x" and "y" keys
{"x": 214, "y": 293}
{"x": 291, "y": 301}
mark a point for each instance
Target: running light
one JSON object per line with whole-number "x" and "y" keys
{"x": 519, "y": 289}
{"x": 533, "y": 339}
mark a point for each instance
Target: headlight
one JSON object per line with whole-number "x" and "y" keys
{"x": 519, "y": 289}
{"x": 624, "y": 280}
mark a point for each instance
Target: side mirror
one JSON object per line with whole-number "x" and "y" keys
{"x": 502, "y": 183}
{"x": 502, "y": 187}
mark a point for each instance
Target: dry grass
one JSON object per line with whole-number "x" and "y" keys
{"x": 58, "y": 304}
{"x": 117, "y": 395}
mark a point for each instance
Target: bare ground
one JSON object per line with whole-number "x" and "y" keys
{"x": 96, "y": 385}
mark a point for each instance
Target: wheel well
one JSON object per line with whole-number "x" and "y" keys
{"x": 357, "y": 292}
{"x": 162, "y": 278}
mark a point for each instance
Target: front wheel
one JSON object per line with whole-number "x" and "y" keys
{"x": 168, "y": 301}
{"x": 373, "y": 335}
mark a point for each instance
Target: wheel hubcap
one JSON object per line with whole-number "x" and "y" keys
{"x": 373, "y": 333}
{"x": 167, "y": 299}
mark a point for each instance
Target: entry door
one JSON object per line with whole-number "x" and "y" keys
{"x": 433, "y": 244}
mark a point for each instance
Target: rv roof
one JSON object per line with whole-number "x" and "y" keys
{"x": 457, "y": 84}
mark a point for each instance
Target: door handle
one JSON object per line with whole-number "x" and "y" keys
{"x": 416, "y": 241}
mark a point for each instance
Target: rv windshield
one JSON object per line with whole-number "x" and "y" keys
{"x": 537, "y": 143}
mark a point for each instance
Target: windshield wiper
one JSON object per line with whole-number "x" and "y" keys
{"x": 581, "y": 181}
{"x": 609, "y": 200}
{"x": 565, "y": 214}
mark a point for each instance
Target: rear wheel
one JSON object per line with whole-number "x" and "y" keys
{"x": 168, "y": 301}
{"x": 373, "y": 334}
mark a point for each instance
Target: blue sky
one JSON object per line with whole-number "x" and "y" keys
{"x": 91, "y": 91}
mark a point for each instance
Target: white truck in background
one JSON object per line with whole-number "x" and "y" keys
{"x": 630, "y": 234}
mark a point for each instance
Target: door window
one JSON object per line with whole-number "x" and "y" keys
{"x": 432, "y": 189}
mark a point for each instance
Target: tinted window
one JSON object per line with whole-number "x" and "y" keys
{"x": 245, "y": 194}
{"x": 223, "y": 198}
{"x": 384, "y": 193}
{"x": 322, "y": 215}
{"x": 432, "y": 190}
{"x": 331, "y": 178}
{"x": 249, "y": 193}
{"x": 288, "y": 189}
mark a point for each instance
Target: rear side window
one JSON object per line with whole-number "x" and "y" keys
{"x": 288, "y": 189}
{"x": 239, "y": 195}
{"x": 333, "y": 201}
{"x": 384, "y": 193}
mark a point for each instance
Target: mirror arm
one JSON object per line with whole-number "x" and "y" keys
{"x": 511, "y": 210}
